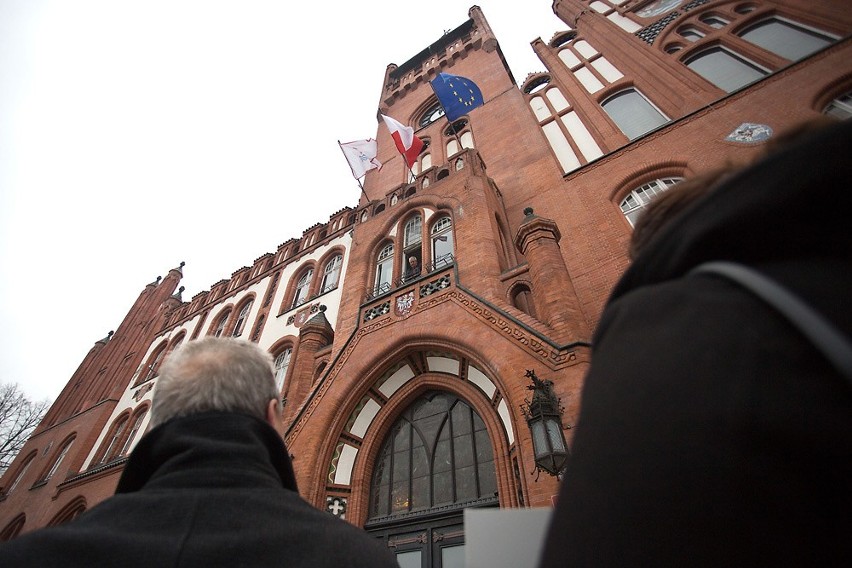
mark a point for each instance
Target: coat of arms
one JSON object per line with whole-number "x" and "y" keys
{"x": 404, "y": 303}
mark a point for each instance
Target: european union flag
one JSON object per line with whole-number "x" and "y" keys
{"x": 458, "y": 95}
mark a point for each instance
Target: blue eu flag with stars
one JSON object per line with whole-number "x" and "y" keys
{"x": 458, "y": 95}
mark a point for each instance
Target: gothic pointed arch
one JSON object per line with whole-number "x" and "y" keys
{"x": 240, "y": 316}
{"x": 371, "y": 415}
{"x": 13, "y": 529}
{"x": 301, "y": 287}
{"x": 69, "y": 512}
{"x": 151, "y": 368}
{"x": 436, "y": 455}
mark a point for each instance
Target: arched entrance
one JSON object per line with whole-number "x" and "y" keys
{"x": 436, "y": 461}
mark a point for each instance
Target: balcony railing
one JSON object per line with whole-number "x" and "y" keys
{"x": 440, "y": 263}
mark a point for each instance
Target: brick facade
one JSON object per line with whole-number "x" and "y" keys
{"x": 523, "y": 290}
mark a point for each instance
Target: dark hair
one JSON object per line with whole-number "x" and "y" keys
{"x": 668, "y": 205}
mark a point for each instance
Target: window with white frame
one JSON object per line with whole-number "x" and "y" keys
{"x": 411, "y": 248}
{"x": 633, "y": 113}
{"x": 220, "y": 324}
{"x": 331, "y": 274}
{"x": 134, "y": 430}
{"x": 424, "y": 159}
{"x": 21, "y": 471}
{"x": 384, "y": 269}
{"x": 640, "y": 197}
{"x": 117, "y": 433}
{"x": 442, "y": 242}
{"x": 559, "y": 124}
{"x": 239, "y": 327}
{"x": 725, "y": 69}
{"x": 154, "y": 363}
{"x": 302, "y": 288}
{"x": 58, "y": 461}
{"x": 785, "y": 38}
{"x": 458, "y": 131}
{"x": 841, "y": 107}
{"x": 412, "y": 232}
{"x": 282, "y": 362}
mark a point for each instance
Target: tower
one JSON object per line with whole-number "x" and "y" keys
{"x": 404, "y": 391}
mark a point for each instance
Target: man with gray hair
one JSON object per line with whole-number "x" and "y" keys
{"x": 211, "y": 484}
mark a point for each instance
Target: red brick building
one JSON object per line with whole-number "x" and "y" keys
{"x": 404, "y": 392}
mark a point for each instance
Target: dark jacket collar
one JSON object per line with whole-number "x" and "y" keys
{"x": 210, "y": 449}
{"x": 791, "y": 205}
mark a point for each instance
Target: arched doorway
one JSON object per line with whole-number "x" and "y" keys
{"x": 436, "y": 461}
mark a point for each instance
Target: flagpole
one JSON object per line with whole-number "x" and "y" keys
{"x": 339, "y": 145}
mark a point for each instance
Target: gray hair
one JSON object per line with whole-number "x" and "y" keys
{"x": 230, "y": 375}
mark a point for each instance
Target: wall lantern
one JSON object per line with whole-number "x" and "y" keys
{"x": 544, "y": 417}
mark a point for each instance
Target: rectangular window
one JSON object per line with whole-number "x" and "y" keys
{"x": 581, "y": 136}
{"x": 607, "y": 69}
{"x": 588, "y": 79}
{"x": 786, "y": 39}
{"x": 724, "y": 69}
{"x": 633, "y": 114}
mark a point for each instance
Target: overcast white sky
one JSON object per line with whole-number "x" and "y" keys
{"x": 132, "y": 132}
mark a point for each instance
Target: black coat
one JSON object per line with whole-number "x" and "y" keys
{"x": 711, "y": 432}
{"x": 212, "y": 489}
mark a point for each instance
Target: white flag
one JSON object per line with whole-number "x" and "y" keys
{"x": 361, "y": 155}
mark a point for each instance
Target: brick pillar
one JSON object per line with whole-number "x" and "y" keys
{"x": 315, "y": 334}
{"x": 555, "y": 300}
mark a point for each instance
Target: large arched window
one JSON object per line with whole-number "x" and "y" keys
{"x": 442, "y": 242}
{"x": 437, "y": 454}
{"x": 135, "y": 426}
{"x": 241, "y": 318}
{"x": 384, "y": 269}
{"x": 637, "y": 199}
{"x": 331, "y": 274}
{"x": 152, "y": 369}
{"x": 282, "y": 363}
{"x": 115, "y": 439}
{"x": 220, "y": 324}
{"x": 303, "y": 287}
{"x": 632, "y": 113}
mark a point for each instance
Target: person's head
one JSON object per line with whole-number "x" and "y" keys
{"x": 229, "y": 375}
{"x": 668, "y": 205}
{"x": 412, "y": 261}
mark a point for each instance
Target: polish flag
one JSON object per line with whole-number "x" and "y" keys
{"x": 407, "y": 143}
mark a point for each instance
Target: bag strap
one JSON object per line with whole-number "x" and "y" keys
{"x": 820, "y": 332}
